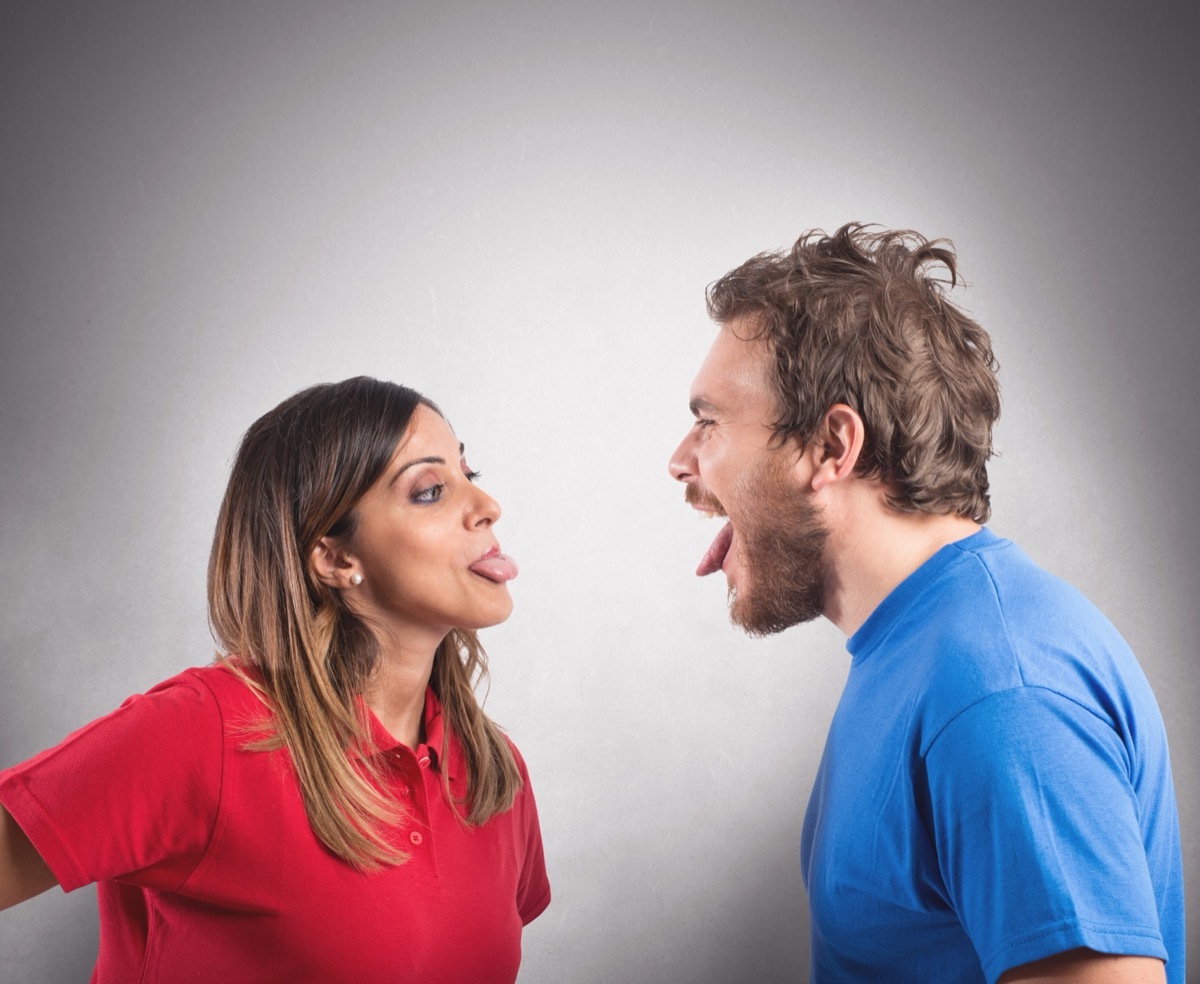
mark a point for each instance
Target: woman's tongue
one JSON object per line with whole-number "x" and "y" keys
{"x": 715, "y": 556}
{"x": 498, "y": 567}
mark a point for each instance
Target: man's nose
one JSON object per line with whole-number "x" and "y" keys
{"x": 682, "y": 465}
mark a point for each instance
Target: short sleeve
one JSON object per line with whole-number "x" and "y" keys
{"x": 131, "y": 796}
{"x": 1037, "y": 832}
{"x": 533, "y": 885}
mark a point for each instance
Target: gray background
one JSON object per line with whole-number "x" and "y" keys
{"x": 515, "y": 207}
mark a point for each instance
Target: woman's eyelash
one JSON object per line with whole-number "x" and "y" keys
{"x": 434, "y": 492}
{"x": 430, "y": 494}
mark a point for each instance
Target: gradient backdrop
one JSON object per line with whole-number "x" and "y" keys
{"x": 515, "y": 207}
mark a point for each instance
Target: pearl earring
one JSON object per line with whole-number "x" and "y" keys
{"x": 356, "y": 579}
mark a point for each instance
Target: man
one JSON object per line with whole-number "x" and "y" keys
{"x": 994, "y": 801}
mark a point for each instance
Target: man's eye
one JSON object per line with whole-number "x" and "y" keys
{"x": 430, "y": 494}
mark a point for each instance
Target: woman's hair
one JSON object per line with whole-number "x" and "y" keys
{"x": 856, "y": 318}
{"x": 299, "y": 472}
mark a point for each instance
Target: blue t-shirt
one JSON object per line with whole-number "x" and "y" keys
{"x": 995, "y": 787}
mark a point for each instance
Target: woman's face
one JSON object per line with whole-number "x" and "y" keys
{"x": 424, "y": 544}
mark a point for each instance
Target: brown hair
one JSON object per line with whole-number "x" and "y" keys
{"x": 856, "y": 318}
{"x": 298, "y": 474}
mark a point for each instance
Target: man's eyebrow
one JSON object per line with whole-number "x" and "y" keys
{"x": 700, "y": 406}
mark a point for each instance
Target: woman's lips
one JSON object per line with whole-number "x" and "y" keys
{"x": 495, "y": 566}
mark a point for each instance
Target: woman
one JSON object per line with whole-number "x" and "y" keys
{"x": 327, "y": 802}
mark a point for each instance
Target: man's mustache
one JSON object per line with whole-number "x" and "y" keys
{"x": 700, "y": 498}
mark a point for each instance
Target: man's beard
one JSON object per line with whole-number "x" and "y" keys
{"x": 783, "y": 549}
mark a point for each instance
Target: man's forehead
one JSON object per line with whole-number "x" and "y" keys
{"x": 734, "y": 369}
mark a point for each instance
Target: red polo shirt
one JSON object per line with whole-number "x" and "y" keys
{"x": 208, "y": 871}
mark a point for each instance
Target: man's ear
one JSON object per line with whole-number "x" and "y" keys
{"x": 331, "y": 565}
{"x": 835, "y": 450}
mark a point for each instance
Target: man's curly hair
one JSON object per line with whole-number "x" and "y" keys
{"x": 858, "y": 318}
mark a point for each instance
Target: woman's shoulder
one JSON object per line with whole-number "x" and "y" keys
{"x": 518, "y": 759}
{"x": 224, "y": 679}
{"x": 222, "y": 689}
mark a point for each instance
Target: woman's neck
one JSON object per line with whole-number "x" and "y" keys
{"x": 396, "y": 693}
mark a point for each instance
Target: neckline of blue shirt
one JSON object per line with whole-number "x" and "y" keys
{"x": 879, "y": 623}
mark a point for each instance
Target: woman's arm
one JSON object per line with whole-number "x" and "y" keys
{"x": 23, "y": 873}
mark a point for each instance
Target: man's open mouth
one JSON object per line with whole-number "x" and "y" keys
{"x": 706, "y": 503}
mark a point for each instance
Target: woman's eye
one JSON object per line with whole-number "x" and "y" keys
{"x": 472, "y": 476}
{"x": 430, "y": 494}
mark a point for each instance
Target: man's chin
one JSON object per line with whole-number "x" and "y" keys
{"x": 759, "y": 620}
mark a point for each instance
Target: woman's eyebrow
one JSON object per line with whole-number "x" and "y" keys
{"x": 428, "y": 460}
{"x": 431, "y": 459}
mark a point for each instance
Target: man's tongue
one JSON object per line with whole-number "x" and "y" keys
{"x": 715, "y": 556}
{"x": 498, "y": 567}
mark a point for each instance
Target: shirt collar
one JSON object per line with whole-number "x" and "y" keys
{"x": 435, "y": 733}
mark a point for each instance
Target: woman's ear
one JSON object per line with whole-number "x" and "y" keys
{"x": 836, "y": 448}
{"x": 332, "y": 566}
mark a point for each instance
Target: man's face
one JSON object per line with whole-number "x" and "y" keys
{"x": 772, "y": 547}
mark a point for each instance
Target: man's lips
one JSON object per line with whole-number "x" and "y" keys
{"x": 495, "y": 566}
{"x": 701, "y": 500}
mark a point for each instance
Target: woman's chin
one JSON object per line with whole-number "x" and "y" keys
{"x": 493, "y": 614}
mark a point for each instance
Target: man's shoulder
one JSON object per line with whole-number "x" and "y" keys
{"x": 1046, "y": 619}
{"x": 995, "y": 587}
{"x": 1003, "y": 622}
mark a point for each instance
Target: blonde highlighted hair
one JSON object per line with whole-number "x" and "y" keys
{"x": 298, "y": 474}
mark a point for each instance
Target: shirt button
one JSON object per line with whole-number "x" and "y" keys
{"x": 416, "y": 838}
{"x": 423, "y": 761}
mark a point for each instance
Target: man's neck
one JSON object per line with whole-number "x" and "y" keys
{"x": 870, "y": 555}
